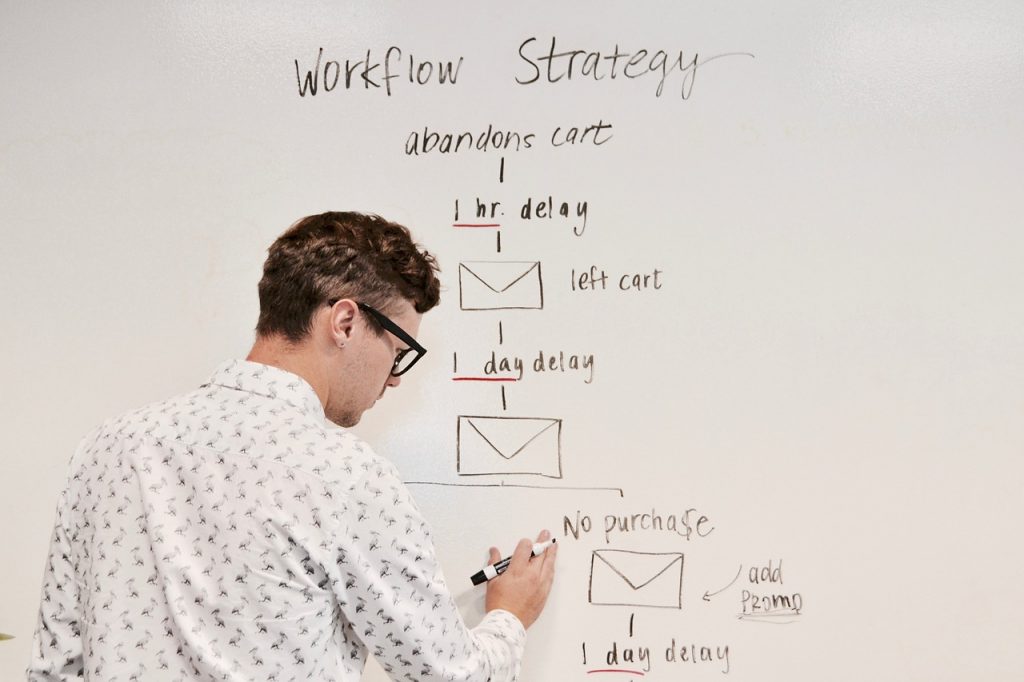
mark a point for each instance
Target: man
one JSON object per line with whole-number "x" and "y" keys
{"x": 230, "y": 534}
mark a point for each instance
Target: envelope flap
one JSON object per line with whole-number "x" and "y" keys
{"x": 637, "y": 568}
{"x": 499, "y": 276}
{"x": 510, "y": 435}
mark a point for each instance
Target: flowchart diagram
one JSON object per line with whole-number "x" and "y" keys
{"x": 644, "y": 571}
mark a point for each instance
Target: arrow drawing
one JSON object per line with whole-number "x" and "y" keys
{"x": 708, "y": 595}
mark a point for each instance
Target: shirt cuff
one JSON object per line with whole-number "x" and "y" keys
{"x": 507, "y": 632}
{"x": 507, "y": 622}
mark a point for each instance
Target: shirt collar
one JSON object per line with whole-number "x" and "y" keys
{"x": 266, "y": 380}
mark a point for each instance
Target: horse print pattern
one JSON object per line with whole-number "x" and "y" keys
{"x": 231, "y": 534}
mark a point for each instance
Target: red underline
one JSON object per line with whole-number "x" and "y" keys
{"x": 612, "y": 670}
{"x": 476, "y": 225}
{"x": 482, "y": 379}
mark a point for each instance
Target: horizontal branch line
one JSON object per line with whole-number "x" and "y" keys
{"x": 620, "y": 491}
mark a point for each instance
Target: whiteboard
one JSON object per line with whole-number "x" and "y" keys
{"x": 749, "y": 271}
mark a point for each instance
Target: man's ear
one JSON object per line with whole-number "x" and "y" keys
{"x": 341, "y": 321}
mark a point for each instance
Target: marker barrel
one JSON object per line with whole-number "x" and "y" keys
{"x": 494, "y": 570}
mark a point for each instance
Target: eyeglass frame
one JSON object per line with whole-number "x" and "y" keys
{"x": 389, "y": 325}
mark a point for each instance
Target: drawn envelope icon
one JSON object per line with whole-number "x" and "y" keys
{"x": 509, "y": 445}
{"x": 624, "y": 578}
{"x": 500, "y": 285}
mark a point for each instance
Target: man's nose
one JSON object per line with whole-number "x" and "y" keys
{"x": 393, "y": 381}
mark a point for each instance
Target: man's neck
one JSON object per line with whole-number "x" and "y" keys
{"x": 297, "y": 358}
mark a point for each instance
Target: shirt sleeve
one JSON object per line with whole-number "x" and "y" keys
{"x": 57, "y": 643}
{"x": 391, "y": 590}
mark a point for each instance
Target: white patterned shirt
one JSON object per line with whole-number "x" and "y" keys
{"x": 232, "y": 534}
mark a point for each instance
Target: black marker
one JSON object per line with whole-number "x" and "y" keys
{"x": 494, "y": 570}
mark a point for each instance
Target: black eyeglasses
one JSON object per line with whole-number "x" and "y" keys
{"x": 407, "y": 357}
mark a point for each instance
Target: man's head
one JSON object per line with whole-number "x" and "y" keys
{"x": 332, "y": 286}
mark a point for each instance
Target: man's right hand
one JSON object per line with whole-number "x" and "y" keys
{"x": 524, "y": 586}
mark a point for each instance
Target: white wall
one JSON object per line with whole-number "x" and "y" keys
{"x": 831, "y": 371}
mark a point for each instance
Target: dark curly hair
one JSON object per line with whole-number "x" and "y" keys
{"x": 342, "y": 255}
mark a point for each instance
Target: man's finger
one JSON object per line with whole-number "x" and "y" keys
{"x": 521, "y": 555}
{"x": 544, "y": 536}
{"x": 548, "y": 559}
{"x": 546, "y": 570}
